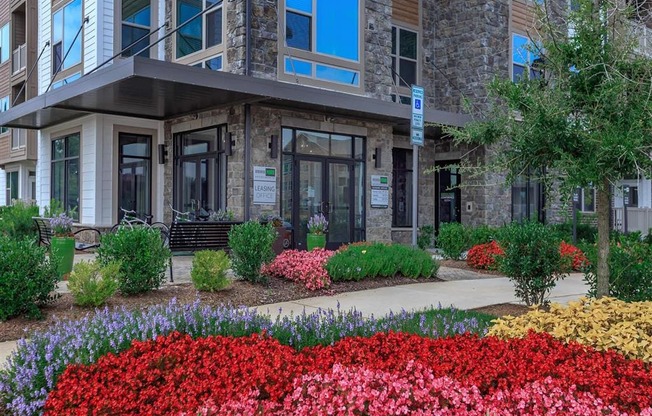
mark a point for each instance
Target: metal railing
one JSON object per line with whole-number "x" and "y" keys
{"x": 19, "y": 59}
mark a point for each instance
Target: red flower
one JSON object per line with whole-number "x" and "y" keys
{"x": 483, "y": 256}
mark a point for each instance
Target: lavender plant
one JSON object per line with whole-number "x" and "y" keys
{"x": 317, "y": 224}
{"x": 61, "y": 225}
{"x": 33, "y": 369}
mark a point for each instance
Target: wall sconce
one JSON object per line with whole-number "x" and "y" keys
{"x": 273, "y": 146}
{"x": 377, "y": 157}
{"x": 229, "y": 144}
{"x": 162, "y": 154}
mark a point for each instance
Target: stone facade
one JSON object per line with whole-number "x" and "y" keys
{"x": 378, "y": 49}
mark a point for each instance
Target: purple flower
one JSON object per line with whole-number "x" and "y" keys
{"x": 61, "y": 225}
{"x": 317, "y": 224}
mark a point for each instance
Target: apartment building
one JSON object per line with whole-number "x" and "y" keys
{"x": 18, "y": 147}
{"x": 290, "y": 107}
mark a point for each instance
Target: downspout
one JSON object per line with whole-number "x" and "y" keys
{"x": 247, "y": 116}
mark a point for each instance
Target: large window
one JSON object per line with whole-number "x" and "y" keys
{"x": 136, "y": 24}
{"x": 586, "y": 199}
{"x": 203, "y": 33}
{"x": 12, "y": 187}
{"x": 4, "y": 106}
{"x": 524, "y": 58}
{"x": 527, "y": 199}
{"x": 200, "y": 170}
{"x": 65, "y": 24}
{"x": 65, "y": 172}
{"x": 322, "y": 40}
{"x": 134, "y": 174}
{"x": 5, "y": 43}
{"x": 404, "y": 57}
{"x": 402, "y": 188}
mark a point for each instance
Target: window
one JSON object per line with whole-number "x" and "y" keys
{"x": 12, "y": 187}
{"x": 322, "y": 40}
{"x": 5, "y": 43}
{"x": 134, "y": 174}
{"x": 523, "y": 59}
{"x": 527, "y": 199}
{"x": 18, "y": 138}
{"x": 200, "y": 169}
{"x": 402, "y": 188}
{"x": 404, "y": 57}
{"x": 4, "y": 106}
{"x": 203, "y": 32}
{"x": 65, "y": 173}
{"x": 214, "y": 64}
{"x": 586, "y": 199}
{"x": 136, "y": 24}
{"x": 630, "y": 196}
{"x": 66, "y": 23}
{"x": 66, "y": 80}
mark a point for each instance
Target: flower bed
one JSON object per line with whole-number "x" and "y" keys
{"x": 483, "y": 256}
{"x": 393, "y": 373}
{"x": 572, "y": 256}
{"x": 305, "y": 267}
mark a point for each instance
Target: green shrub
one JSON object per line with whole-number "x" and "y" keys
{"x": 27, "y": 278}
{"x": 209, "y": 270}
{"x": 532, "y": 260}
{"x": 358, "y": 262}
{"x": 481, "y": 234}
{"x": 630, "y": 270}
{"x": 453, "y": 240}
{"x": 16, "y": 220}
{"x": 425, "y": 237}
{"x": 585, "y": 232}
{"x": 141, "y": 255}
{"x": 251, "y": 246}
{"x": 91, "y": 284}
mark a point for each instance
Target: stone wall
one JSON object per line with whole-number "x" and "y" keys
{"x": 377, "y": 49}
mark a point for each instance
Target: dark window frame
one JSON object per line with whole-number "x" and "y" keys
{"x": 72, "y": 211}
{"x": 395, "y": 178}
{"x": 147, "y": 159}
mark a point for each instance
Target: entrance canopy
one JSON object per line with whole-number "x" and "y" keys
{"x": 151, "y": 89}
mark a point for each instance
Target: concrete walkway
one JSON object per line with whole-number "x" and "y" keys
{"x": 462, "y": 289}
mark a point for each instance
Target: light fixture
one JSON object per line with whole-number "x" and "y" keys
{"x": 162, "y": 154}
{"x": 273, "y": 146}
{"x": 377, "y": 157}
{"x": 229, "y": 144}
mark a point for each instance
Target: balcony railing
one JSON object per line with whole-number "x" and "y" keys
{"x": 19, "y": 60}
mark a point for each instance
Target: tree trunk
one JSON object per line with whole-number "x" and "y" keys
{"x": 603, "y": 208}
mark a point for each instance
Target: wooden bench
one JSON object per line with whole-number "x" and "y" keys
{"x": 45, "y": 234}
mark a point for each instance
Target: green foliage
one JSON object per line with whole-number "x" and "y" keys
{"x": 630, "y": 267}
{"x": 481, "y": 234}
{"x": 532, "y": 260}
{"x": 358, "y": 262}
{"x": 55, "y": 208}
{"x": 142, "y": 257}
{"x": 209, "y": 270}
{"x": 27, "y": 278}
{"x": 425, "y": 237}
{"x": 16, "y": 220}
{"x": 91, "y": 284}
{"x": 586, "y": 233}
{"x": 251, "y": 246}
{"x": 454, "y": 238}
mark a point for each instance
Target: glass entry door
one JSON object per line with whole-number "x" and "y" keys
{"x": 134, "y": 174}
{"x": 448, "y": 202}
{"x": 324, "y": 186}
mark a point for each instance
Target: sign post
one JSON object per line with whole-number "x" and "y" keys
{"x": 416, "y": 138}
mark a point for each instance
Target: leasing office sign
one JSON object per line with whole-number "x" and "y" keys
{"x": 264, "y": 185}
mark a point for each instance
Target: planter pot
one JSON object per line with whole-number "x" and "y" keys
{"x": 315, "y": 240}
{"x": 62, "y": 250}
{"x": 277, "y": 246}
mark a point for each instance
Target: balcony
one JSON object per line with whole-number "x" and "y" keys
{"x": 19, "y": 59}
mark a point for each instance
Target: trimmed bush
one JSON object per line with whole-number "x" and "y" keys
{"x": 630, "y": 270}
{"x": 483, "y": 256}
{"x": 91, "y": 284}
{"x": 482, "y": 234}
{"x": 585, "y": 232}
{"x": 209, "y": 270}
{"x": 532, "y": 260}
{"x": 306, "y": 267}
{"x": 604, "y": 324}
{"x": 358, "y": 262}
{"x": 425, "y": 237}
{"x": 27, "y": 278}
{"x": 453, "y": 240}
{"x": 16, "y": 220}
{"x": 141, "y": 255}
{"x": 251, "y": 247}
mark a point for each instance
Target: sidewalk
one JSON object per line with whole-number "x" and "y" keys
{"x": 463, "y": 294}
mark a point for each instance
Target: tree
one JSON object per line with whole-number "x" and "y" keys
{"x": 587, "y": 121}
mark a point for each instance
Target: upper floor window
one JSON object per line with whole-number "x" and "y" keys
{"x": 523, "y": 59}
{"x": 136, "y": 25}
{"x": 201, "y": 33}
{"x": 4, "y": 43}
{"x": 214, "y": 63}
{"x": 66, "y": 23}
{"x": 322, "y": 41}
{"x": 4, "y": 106}
{"x": 404, "y": 62}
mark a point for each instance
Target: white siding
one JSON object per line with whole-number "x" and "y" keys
{"x": 90, "y": 35}
{"x": 45, "y": 65}
{"x": 3, "y": 188}
{"x": 43, "y": 166}
{"x": 106, "y": 28}
{"x": 88, "y": 172}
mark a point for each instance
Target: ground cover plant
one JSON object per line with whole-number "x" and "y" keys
{"x": 535, "y": 375}
{"x": 604, "y": 324}
{"x": 304, "y": 267}
{"x": 91, "y": 284}
{"x": 35, "y": 367}
{"x": 361, "y": 261}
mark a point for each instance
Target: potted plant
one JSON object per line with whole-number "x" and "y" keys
{"x": 279, "y": 226}
{"x": 317, "y": 227}
{"x": 62, "y": 244}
